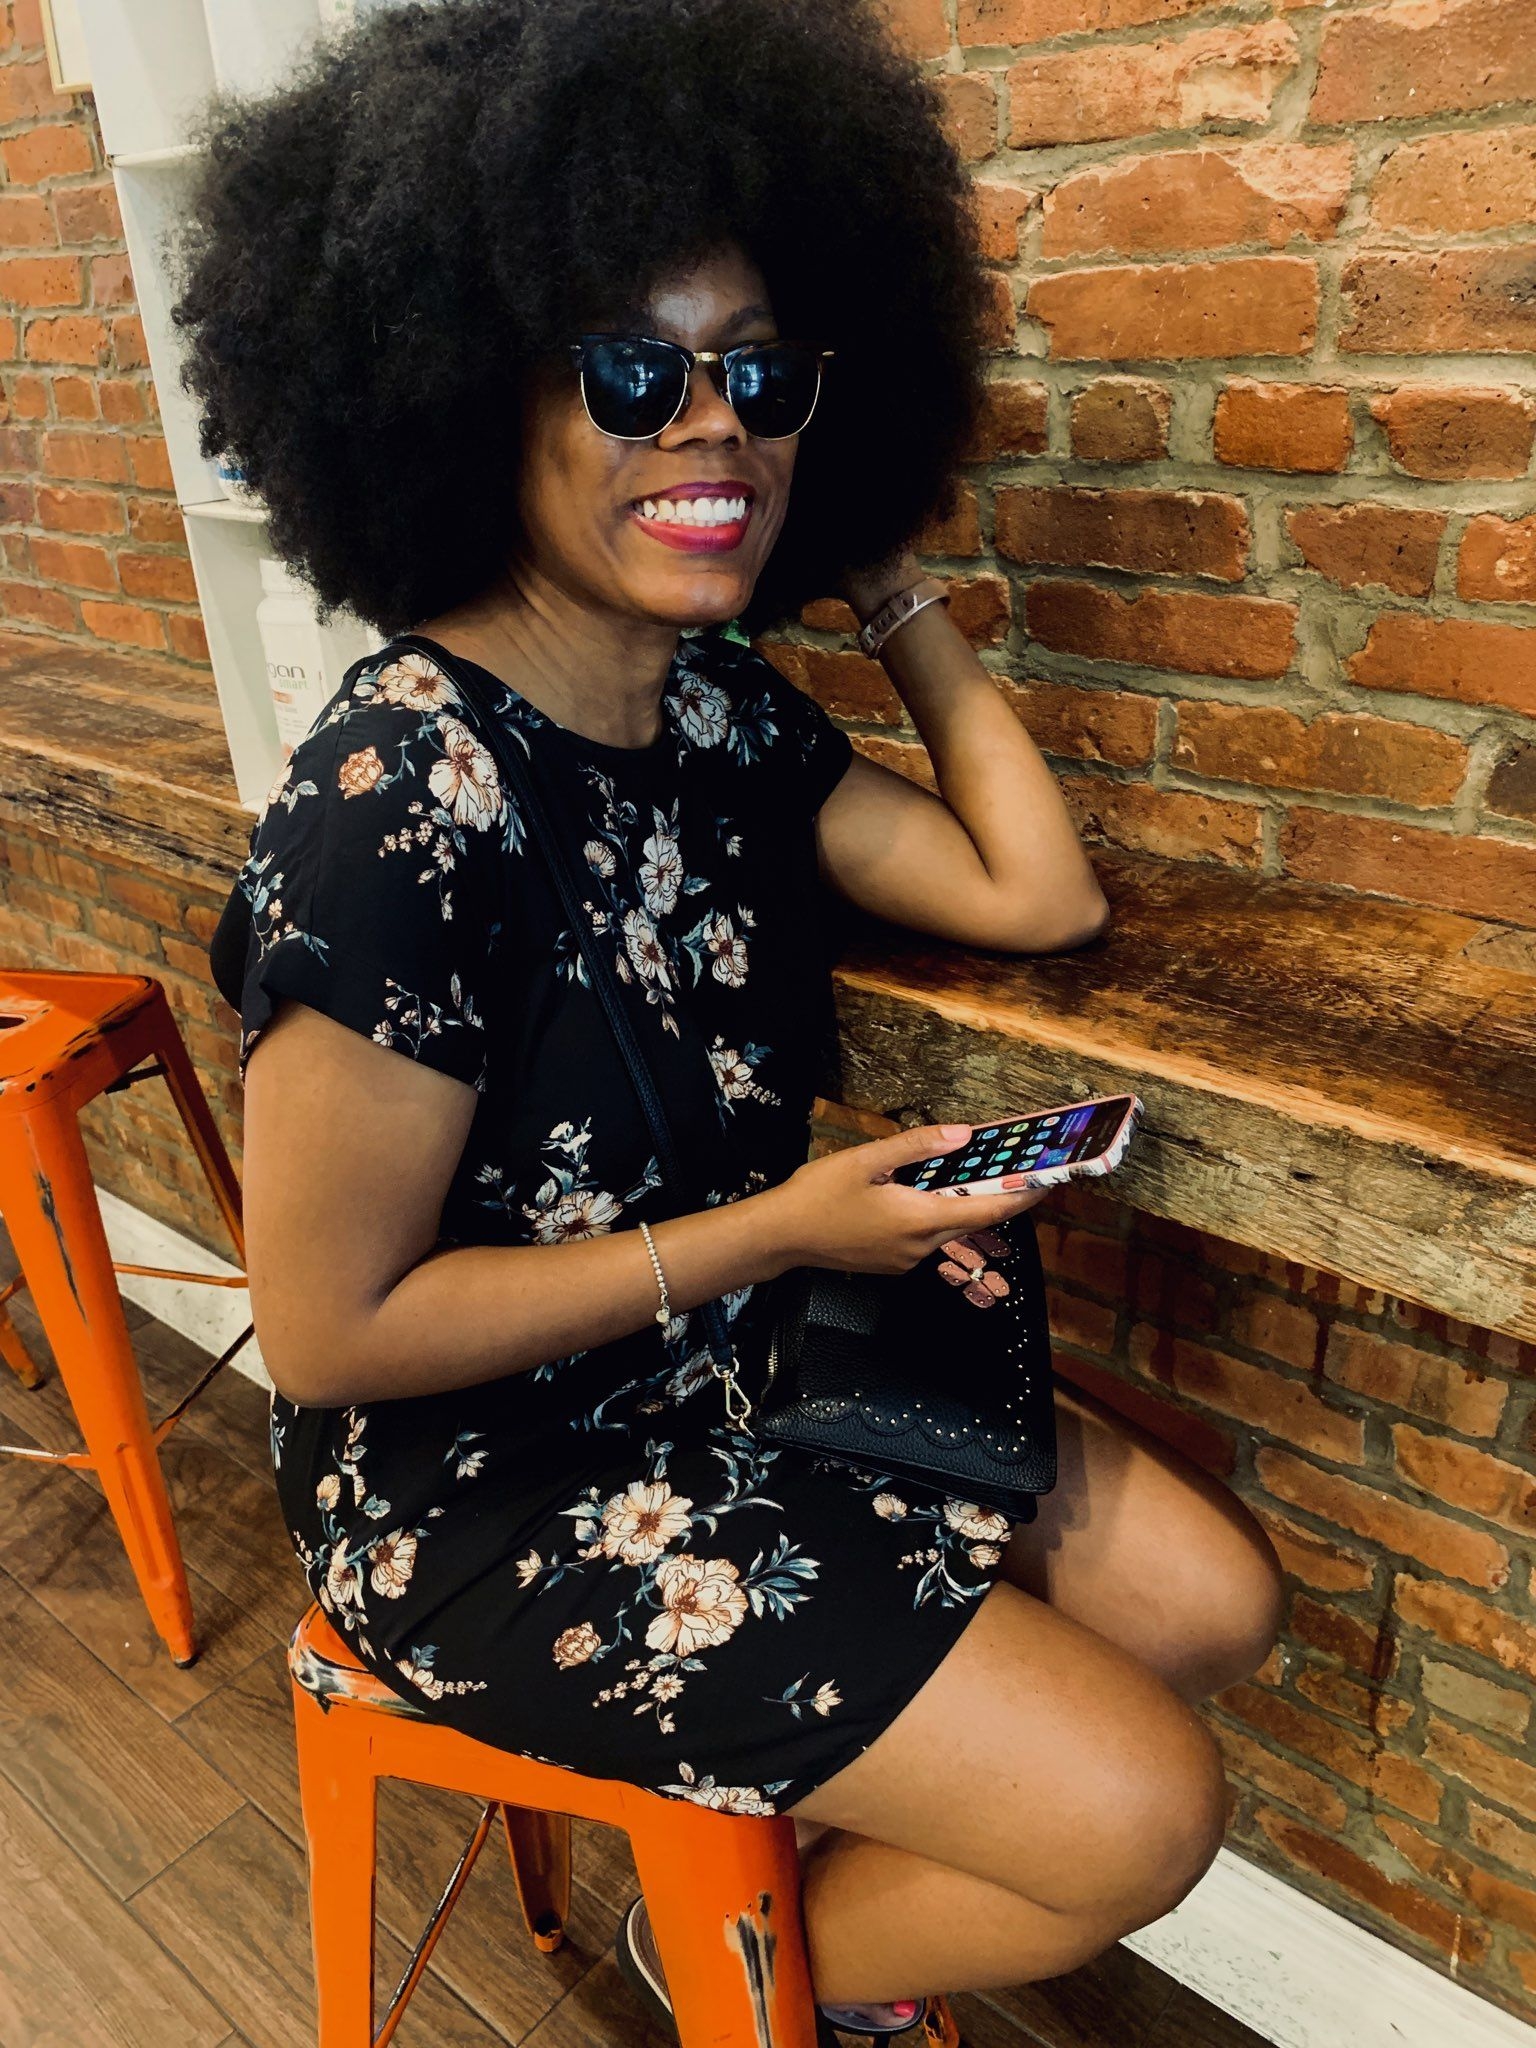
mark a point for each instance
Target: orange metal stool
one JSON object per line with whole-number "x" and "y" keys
{"x": 723, "y": 1890}
{"x": 66, "y": 1038}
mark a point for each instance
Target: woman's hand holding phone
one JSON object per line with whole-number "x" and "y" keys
{"x": 845, "y": 1212}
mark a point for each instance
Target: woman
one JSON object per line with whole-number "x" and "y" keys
{"x": 443, "y": 302}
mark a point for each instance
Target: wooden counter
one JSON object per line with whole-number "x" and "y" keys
{"x": 1334, "y": 1078}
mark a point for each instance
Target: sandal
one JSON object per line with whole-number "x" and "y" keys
{"x": 640, "y": 1966}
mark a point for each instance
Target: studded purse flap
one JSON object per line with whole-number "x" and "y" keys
{"x": 903, "y": 1373}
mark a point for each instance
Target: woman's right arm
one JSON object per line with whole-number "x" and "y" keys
{"x": 349, "y": 1152}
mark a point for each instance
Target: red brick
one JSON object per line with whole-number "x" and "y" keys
{"x": 1512, "y": 785}
{"x": 1121, "y": 419}
{"x": 1087, "y": 725}
{"x": 1498, "y": 560}
{"x": 1198, "y": 1440}
{"x": 1398, "y": 1781}
{"x": 152, "y": 519}
{"x": 1000, "y": 315}
{"x": 1074, "y": 1319}
{"x": 1199, "y": 199}
{"x": 1169, "y": 1290}
{"x": 1337, "y": 1749}
{"x": 1293, "y": 427}
{"x": 1466, "y": 1476}
{"x": 1496, "y": 1708}
{"x": 1439, "y": 431}
{"x": 122, "y": 402}
{"x": 129, "y": 349}
{"x": 918, "y": 25}
{"x": 1465, "y": 660}
{"x": 1012, "y": 422}
{"x": 29, "y": 397}
{"x": 902, "y": 757}
{"x": 1503, "y": 1779}
{"x": 997, "y": 23}
{"x": 166, "y": 577}
{"x": 1086, "y": 1258}
{"x": 151, "y": 462}
{"x": 88, "y": 213}
{"x": 1407, "y": 1904}
{"x": 1315, "y": 1560}
{"x": 1444, "y": 1546}
{"x": 111, "y": 281}
{"x": 1092, "y": 95}
{"x": 953, "y": 533}
{"x": 18, "y": 449}
{"x": 1493, "y": 1898}
{"x": 1489, "y": 878}
{"x": 25, "y": 222}
{"x": 186, "y": 635}
{"x": 1166, "y": 629}
{"x": 73, "y": 561}
{"x": 1498, "y": 1836}
{"x": 52, "y": 152}
{"x": 128, "y": 622}
{"x": 151, "y": 900}
{"x": 1402, "y": 303}
{"x": 38, "y": 607}
{"x": 74, "y": 398}
{"x": 1424, "y": 57}
{"x": 1175, "y": 824}
{"x": 68, "y": 338}
{"x": 17, "y": 502}
{"x": 844, "y": 682}
{"x": 970, "y": 111}
{"x": 1402, "y": 1376}
{"x": 1281, "y": 1778}
{"x": 1282, "y": 1329}
{"x": 1171, "y": 533}
{"x": 96, "y": 458}
{"x": 1265, "y": 1399}
{"x": 1251, "y": 306}
{"x": 41, "y": 280}
{"x": 1360, "y": 545}
{"x": 999, "y": 209}
{"x": 1458, "y": 184}
{"x": 68, "y": 511}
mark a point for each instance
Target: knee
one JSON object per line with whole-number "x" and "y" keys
{"x": 1241, "y": 1605}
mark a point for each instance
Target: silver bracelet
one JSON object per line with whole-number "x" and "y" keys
{"x": 896, "y": 611}
{"x": 664, "y": 1313}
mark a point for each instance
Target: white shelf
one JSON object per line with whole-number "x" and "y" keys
{"x": 226, "y": 508}
{"x": 153, "y": 65}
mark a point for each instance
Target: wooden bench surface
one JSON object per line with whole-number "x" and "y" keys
{"x": 1340, "y": 1080}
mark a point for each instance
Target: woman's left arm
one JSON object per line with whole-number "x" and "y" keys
{"x": 994, "y": 859}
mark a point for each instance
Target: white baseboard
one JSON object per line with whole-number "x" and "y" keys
{"x": 1296, "y": 1973}
{"x": 1304, "y": 1977}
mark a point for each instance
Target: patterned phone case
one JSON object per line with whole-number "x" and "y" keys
{"x": 1052, "y": 1176}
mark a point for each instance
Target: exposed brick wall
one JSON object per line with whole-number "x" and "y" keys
{"x": 1382, "y": 1760}
{"x": 1251, "y": 532}
{"x": 93, "y": 546}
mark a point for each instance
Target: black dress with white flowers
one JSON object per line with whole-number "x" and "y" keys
{"x": 586, "y": 1562}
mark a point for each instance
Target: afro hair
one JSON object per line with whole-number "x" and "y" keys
{"x": 379, "y": 255}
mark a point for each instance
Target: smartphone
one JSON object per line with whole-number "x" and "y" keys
{"x": 1038, "y": 1150}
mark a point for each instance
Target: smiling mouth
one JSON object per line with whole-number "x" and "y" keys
{"x": 698, "y": 523}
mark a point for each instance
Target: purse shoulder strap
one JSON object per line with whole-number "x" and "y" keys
{"x": 467, "y": 679}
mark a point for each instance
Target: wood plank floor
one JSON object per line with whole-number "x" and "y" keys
{"x": 151, "y": 1864}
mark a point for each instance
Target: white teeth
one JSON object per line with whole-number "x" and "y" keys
{"x": 694, "y": 511}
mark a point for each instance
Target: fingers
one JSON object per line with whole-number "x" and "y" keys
{"x": 929, "y": 1141}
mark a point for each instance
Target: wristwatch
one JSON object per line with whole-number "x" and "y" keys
{"x": 896, "y": 611}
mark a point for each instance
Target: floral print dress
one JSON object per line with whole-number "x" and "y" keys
{"x": 586, "y": 1562}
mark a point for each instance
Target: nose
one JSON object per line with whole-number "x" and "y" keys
{"x": 707, "y": 413}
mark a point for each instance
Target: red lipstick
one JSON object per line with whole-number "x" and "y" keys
{"x": 685, "y": 534}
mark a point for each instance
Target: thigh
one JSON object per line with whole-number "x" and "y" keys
{"x": 1141, "y": 1546}
{"x": 1044, "y": 1759}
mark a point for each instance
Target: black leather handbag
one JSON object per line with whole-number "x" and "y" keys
{"x": 896, "y": 1373}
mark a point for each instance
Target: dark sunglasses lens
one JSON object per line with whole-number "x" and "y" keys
{"x": 773, "y": 389}
{"x": 632, "y": 387}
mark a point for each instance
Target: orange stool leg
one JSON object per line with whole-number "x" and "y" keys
{"x": 541, "y": 1864}
{"x": 338, "y": 1791}
{"x": 186, "y": 1093}
{"x": 49, "y": 1203}
{"x": 723, "y": 1895}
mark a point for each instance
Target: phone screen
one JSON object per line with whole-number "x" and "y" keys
{"x": 1056, "y": 1137}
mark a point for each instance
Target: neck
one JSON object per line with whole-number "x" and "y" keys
{"x": 598, "y": 672}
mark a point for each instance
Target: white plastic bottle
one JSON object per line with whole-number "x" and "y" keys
{"x": 295, "y": 650}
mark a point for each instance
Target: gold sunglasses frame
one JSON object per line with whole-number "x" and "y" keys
{"x": 718, "y": 366}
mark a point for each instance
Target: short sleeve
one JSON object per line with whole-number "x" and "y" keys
{"x": 804, "y": 753}
{"x": 375, "y": 873}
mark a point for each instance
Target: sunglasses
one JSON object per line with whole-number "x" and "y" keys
{"x": 633, "y": 386}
